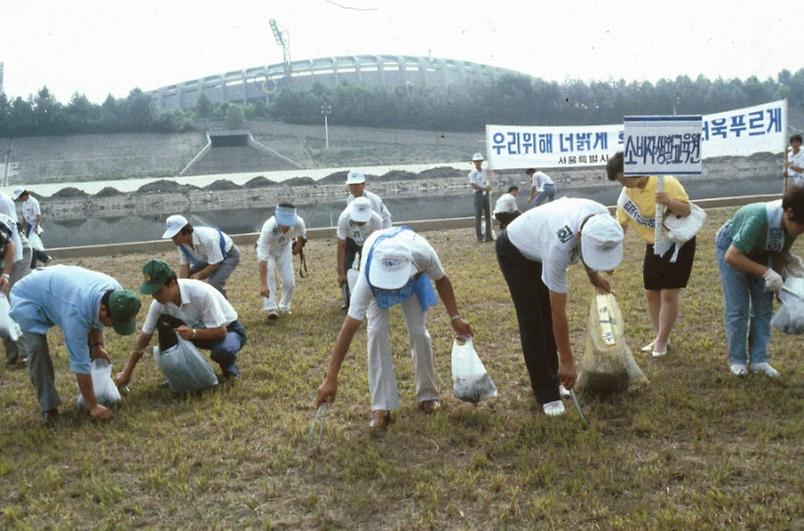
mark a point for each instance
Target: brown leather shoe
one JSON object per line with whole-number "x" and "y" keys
{"x": 380, "y": 419}
{"x": 429, "y": 406}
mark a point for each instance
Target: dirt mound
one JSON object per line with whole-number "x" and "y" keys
{"x": 299, "y": 181}
{"x": 259, "y": 182}
{"x": 442, "y": 171}
{"x": 398, "y": 175}
{"x": 222, "y": 184}
{"x": 109, "y": 191}
{"x": 334, "y": 178}
{"x": 70, "y": 193}
{"x": 164, "y": 185}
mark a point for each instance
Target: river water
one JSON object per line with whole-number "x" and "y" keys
{"x": 95, "y": 231}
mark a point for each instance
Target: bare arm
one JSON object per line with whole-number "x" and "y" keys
{"x": 201, "y": 334}
{"x": 206, "y": 272}
{"x": 447, "y": 294}
{"x": 329, "y": 388}
{"x": 558, "y": 312}
{"x": 739, "y": 261}
{"x": 679, "y": 208}
{"x": 8, "y": 266}
{"x": 123, "y": 377}
{"x": 341, "y": 258}
{"x": 184, "y": 271}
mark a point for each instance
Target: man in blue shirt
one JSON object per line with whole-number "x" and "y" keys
{"x": 81, "y": 302}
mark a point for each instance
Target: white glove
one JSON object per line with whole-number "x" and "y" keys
{"x": 773, "y": 281}
{"x": 794, "y": 266}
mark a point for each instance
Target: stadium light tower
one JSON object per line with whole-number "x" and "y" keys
{"x": 326, "y": 110}
{"x": 282, "y": 39}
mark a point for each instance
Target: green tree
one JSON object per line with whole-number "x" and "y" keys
{"x": 235, "y": 118}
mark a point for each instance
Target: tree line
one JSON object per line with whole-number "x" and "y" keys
{"x": 509, "y": 99}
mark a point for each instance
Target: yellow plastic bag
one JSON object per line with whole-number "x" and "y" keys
{"x": 607, "y": 365}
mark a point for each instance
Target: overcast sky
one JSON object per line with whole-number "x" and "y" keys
{"x": 99, "y": 47}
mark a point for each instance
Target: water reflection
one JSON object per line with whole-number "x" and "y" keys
{"x": 95, "y": 231}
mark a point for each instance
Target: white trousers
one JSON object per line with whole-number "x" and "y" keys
{"x": 283, "y": 262}
{"x": 382, "y": 382}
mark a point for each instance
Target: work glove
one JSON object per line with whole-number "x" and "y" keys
{"x": 773, "y": 281}
{"x": 793, "y": 266}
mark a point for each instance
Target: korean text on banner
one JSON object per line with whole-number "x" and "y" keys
{"x": 662, "y": 145}
{"x": 739, "y": 132}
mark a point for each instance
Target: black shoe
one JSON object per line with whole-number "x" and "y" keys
{"x": 231, "y": 372}
{"x": 49, "y": 417}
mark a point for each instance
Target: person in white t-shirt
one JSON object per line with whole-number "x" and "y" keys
{"x": 396, "y": 267}
{"x": 205, "y": 253}
{"x": 479, "y": 182}
{"x": 31, "y": 224}
{"x": 356, "y": 223}
{"x": 794, "y": 166}
{"x": 542, "y": 190}
{"x": 192, "y": 310}
{"x": 356, "y": 183}
{"x": 275, "y": 252}
{"x": 16, "y": 353}
{"x": 534, "y": 253}
{"x": 505, "y": 209}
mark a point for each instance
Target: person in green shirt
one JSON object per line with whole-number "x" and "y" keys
{"x": 752, "y": 249}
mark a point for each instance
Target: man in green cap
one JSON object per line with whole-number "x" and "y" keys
{"x": 190, "y": 309}
{"x": 81, "y": 302}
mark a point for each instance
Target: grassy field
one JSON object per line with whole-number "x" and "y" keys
{"x": 697, "y": 448}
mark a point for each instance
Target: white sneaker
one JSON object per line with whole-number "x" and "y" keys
{"x": 553, "y": 409}
{"x": 738, "y": 369}
{"x": 766, "y": 369}
{"x": 272, "y": 315}
{"x": 649, "y": 346}
{"x": 562, "y": 391}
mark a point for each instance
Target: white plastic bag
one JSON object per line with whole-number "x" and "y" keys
{"x": 8, "y": 327}
{"x": 351, "y": 278}
{"x": 607, "y": 364}
{"x": 683, "y": 229}
{"x": 106, "y": 391}
{"x": 470, "y": 381}
{"x": 185, "y": 367}
{"x": 35, "y": 241}
{"x": 789, "y": 319}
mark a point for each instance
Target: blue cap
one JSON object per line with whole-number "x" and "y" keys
{"x": 286, "y": 216}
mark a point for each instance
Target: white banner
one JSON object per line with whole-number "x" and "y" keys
{"x": 662, "y": 145}
{"x": 741, "y": 132}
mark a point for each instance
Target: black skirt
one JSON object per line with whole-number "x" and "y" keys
{"x": 660, "y": 273}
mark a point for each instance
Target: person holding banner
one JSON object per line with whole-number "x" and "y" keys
{"x": 794, "y": 165}
{"x": 534, "y": 253}
{"x": 395, "y": 269}
{"x": 479, "y": 182}
{"x": 753, "y": 248}
{"x": 543, "y": 190}
{"x": 662, "y": 276}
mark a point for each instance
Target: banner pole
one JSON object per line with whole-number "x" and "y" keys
{"x": 657, "y": 235}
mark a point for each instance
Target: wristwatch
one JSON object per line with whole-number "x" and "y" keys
{"x": 456, "y": 317}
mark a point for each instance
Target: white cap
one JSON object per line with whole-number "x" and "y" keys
{"x": 602, "y": 242}
{"x": 477, "y": 156}
{"x": 173, "y": 225}
{"x": 18, "y": 191}
{"x": 355, "y": 177}
{"x": 391, "y": 265}
{"x": 360, "y": 210}
{"x": 286, "y": 216}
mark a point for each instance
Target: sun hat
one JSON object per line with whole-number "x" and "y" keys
{"x": 286, "y": 216}
{"x": 18, "y": 191}
{"x": 173, "y": 225}
{"x": 391, "y": 264}
{"x": 602, "y": 242}
{"x": 360, "y": 210}
{"x": 355, "y": 177}
{"x": 477, "y": 156}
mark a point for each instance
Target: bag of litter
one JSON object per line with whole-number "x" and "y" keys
{"x": 789, "y": 319}
{"x": 470, "y": 381}
{"x": 8, "y": 327}
{"x": 106, "y": 392}
{"x": 185, "y": 367}
{"x": 35, "y": 241}
{"x": 607, "y": 364}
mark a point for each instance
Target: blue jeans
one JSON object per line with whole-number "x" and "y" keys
{"x": 547, "y": 194}
{"x": 743, "y": 295}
